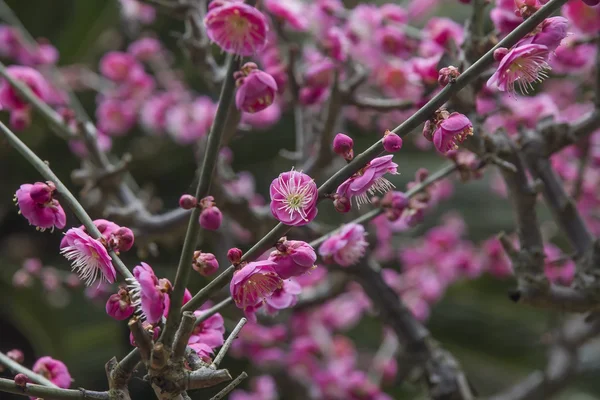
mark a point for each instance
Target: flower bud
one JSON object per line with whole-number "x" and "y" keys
{"x": 16, "y": 355}
{"x": 21, "y": 380}
{"x": 500, "y": 53}
{"x": 41, "y": 193}
{"x": 119, "y": 305}
{"x": 447, "y": 75}
{"x": 391, "y": 142}
{"x": 122, "y": 239}
{"x": 342, "y": 204}
{"x": 342, "y": 145}
{"x": 211, "y": 218}
{"x": 234, "y": 255}
{"x": 205, "y": 263}
{"x": 187, "y": 201}
{"x": 428, "y": 129}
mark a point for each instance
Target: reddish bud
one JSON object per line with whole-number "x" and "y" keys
{"x": 205, "y": 263}
{"x": 342, "y": 145}
{"x": 234, "y": 255}
{"x": 187, "y": 202}
{"x": 211, "y": 218}
{"x": 122, "y": 239}
{"x": 447, "y": 75}
{"x": 16, "y": 355}
{"x": 500, "y": 53}
{"x": 391, "y": 142}
{"x": 342, "y": 204}
{"x": 21, "y": 380}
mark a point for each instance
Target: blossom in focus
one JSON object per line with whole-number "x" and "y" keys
{"x": 237, "y": 28}
{"x": 253, "y": 283}
{"x": 283, "y": 298}
{"x": 521, "y": 67}
{"x": 369, "y": 180}
{"x": 119, "y": 305}
{"x": 37, "y": 205}
{"x": 53, "y": 370}
{"x": 255, "y": 89}
{"x": 345, "y": 247}
{"x": 293, "y": 258}
{"x": 148, "y": 293}
{"x": 294, "y": 198}
{"x": 450, "y": 131}
{"x": 89, "y": 258}
{"x": 210, "y": 331}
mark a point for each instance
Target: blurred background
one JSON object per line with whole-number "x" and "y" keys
{"x": 497, "y": 341}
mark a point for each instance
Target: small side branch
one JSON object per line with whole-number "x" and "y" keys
{"x": 33, "y": 390}
{"x": 19, "y": 369}
{"x": 188, "y": 322}
{"x": 230, "y": 387}
{"x": 207, "y": 377}
{"x": 228, "y": 343}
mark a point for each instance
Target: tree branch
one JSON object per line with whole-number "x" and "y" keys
{"x": 33, "y": 390}
{"x": 230, "y": 387}
{"x": 219, "y": 357}
{"x": 20, "y": 369}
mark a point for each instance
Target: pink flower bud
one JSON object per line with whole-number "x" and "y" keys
{"x": 255, "y": 92}
{"x": 205, "y": 263}
{"x": 342, "y": 145}
{"x": 428, "y": 130}
{"x": 592, "y": 3}
{"x": 392, "y": 142}
{"x": 234, "y": 255}
{"x": 21, "y": 380}
{"x": 119, "y": 305}
{"x": 342, "y": 204}
{"x": 41, "y": 192}
{"x": 447, "y": 75}
{"x": 187, "y": 202}
{"x": 211, "y": 218}
{"x": 500, "y": 53}
{"x": 16, "y": 355}
{"x": 122, "y": 239}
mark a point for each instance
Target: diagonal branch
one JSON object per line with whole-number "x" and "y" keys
{"x": 33, "y": 390}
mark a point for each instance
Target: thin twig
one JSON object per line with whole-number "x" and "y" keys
{"x": 228, "y": 343}
{"x": 230, "y": 387}
{"x": 19, "y": 369}
{"x": 188, "y": 321}
{"x": 33, "y": 390}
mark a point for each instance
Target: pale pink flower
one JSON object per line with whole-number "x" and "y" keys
{"x": 209, "y": 332}
{"x": 37, "y": 205}
{"x": 118, "y": 66}
{"x": 148, "y": 293}
{"x": 145, "y": 48}
{"x": 291, "y": 11}
{"x": 293, "y": 258}
{"x": 283, "y": 298}
{"x": 345, "y": 247}
{"x": 255, "y": 92}
{"x": 237, "y": 28}
{"x": 53, "y": 370}
{"x": 294, "y": 198}
{"x": 90, "y": 259}
{"x": 369, "y": 180}
{"x": 189, "y": 122}
{"x": 115, "y": 117}
{"x": 450, "y": 131}
{"x": 522, "y": 66}
{"x": 137, "y": 11}
{"x": 253, "y": 283}
{"x": 153, "y": 114}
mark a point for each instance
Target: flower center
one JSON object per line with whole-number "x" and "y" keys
{"x": 295, "y": 200}
{"x": 239, "y": 24}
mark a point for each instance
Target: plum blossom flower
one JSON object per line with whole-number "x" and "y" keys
{"x": 523, "y": 65}
{"x": 253, "y": 283}
{"x": 37, "y": 205}
{"x": 148, "y": 293}
{"x": 293, "y": 258}
{"x": 255, "y": 89}
{"x": 237, "y": 28}
{"x": 283, "y": 298}
{"x": 209, "y": 332}
{"x": 53, "y": 370}
{"x": 450, "y": 131}
{"x": 369, "y": 180}
{"x": 89, "y": 257}
{"x": 291, "y": 11}
{"x": 118, "y": 66}
{"x": 19, "y": 109}
{"x": 119, "y": 305}
{"x": 294, "y": 198}
{"x": 345, "y": 247}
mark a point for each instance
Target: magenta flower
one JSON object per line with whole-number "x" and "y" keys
{"x": 237, "y": 28}
{"x": 118, "y": 66}
{"x": 293, "y": 258}
{"x": 369, "y": 180}
{"x": 253, "y": 283}
{"x": 256, "y": 91}
{"x": 115, "y": 117}
{"x": 145, "y": 48}
{"x": 522, "y": 66}
{"x": 549, "y": 33}
{"x": 291, "y": 11}
{"x": 119, "y": 305}
{"x": 53, "y": 370}
{"x": 345, "y": 247}
{"x": 285, "y": 297}
{"x": 209, "y": 332}
{"x": 10, "y": 100}
{"x": 148, "y": 293}
{"x": 450, "y": 131}
{"x": 203, "y": 350}
{"x": 89, "y": 257}
{"x": 38, "y": 206}
{"x": 294, "y": 198}
{"x": 205, "y": 263}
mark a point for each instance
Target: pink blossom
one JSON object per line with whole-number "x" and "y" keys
{"x": 211, "y": 218}
{"x": 345, "y": 311}
{"x": 137, "y": 11}
{"x": 118, "y": 66}
{"x": 37, "y": 205}
{"x": 115, "y": 117}
{"x": 584, "y": 18}
{"x": 89, "y": 257}
{"x": 189, "y": 122}
{"x": 336, "y": 44}
{"x": 557, "y": 268}
{"x": 255, "y": 92}
{"x": 504, "y": 17}
{"x": 203, "y": 350}
{"x": 391, "y": 40}
{"x": 145, "y": 48}
{"x": 148, "y": 293}
{"x": 283, "y": 298}
{"x": 345, "y": 247}
{"x": 263, "y": 119}
{"x": 153, "y": 114}
{"x": 293, "y": 258}
{"x": 294, "y": 198}
{"x": 369, "y": 180}
{"x": 9, "y": 99}
{"x": 495, "y": 259}
{"x": 450, "y": 131}
{"x": 549, "y": 33}
{"x": 54, "y": 370}
{"x": 343, "y": 146}
{"x": 209, "y": 332}
{"x": 253, "y": 283}
{"x": 237, "y": 28}
{"x": 522, "y": 66}
{"x": 291, "y": 11}
{"x": 205, "y": 263}
{"x": 572, "y": 57}
{"x": 119, "y": 305}
{"x": 263, "y": 388}
{"x": 79, "y": 148}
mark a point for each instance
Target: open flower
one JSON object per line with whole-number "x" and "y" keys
{"x": 38, "y": 206}
{"x": 237, "y": 28}
{"x": 521, "y": 66}
{"x": 345, "y": 247}
{"x": 291, "y": 11}
{"x": 209, "y": 332}
{"x": 148, "y": 293}
{"x": 369, "y": 180}
{"x": 256, "y": 90}
{"x": 253, "y": 283}
{"x": 293, "y": 258}
{"x": 285, "y": 297}
{"x": 294, "y": 198}
{"x": 89, "y": 257}
{"x": 450, "y": 131}
{"x": 53, "y": 370}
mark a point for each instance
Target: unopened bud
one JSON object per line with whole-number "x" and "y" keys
{"x": 342, "y": 145}
{"x": 187, "y": 202}
{"x": 342, "y": 204}
{"x": 211, "y": 218}
{"x": 16, "y": 355}
{"x": 21, "y": 380}
{"x": 391, "y": 142}
{"x": 447, "y": 75}
{"x": 205, "y": 263}
{"x": 234, "y": 255}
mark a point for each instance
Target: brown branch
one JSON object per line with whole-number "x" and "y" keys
{"x": 186, "y": 327}
{"x": 142, "y": 338}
